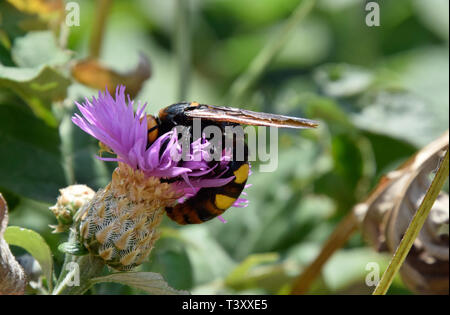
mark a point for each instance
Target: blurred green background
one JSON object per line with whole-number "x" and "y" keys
{"x": 380, "y": 93}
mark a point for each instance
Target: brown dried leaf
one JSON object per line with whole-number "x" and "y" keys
{"x": 386, "y": 214}
{"x": 93, "y": 74}
{"x": 12, "y": 276}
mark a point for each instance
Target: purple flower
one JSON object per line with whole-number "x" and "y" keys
{"x": 116, "y": 125}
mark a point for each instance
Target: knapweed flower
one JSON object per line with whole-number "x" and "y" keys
{"x": 120, "y": 223}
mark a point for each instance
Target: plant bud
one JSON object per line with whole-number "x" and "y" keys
{"x": 69, "y": 201}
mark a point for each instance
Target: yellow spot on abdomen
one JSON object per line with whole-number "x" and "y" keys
{"x": 224, "y": 202}
{"x": 241, "y": 174}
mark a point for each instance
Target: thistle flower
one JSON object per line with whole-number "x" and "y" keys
{"x": 114, "y": 123}
{"x": 120, "y": 223}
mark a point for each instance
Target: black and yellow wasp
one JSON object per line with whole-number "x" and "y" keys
{"x": 211, "y": 202}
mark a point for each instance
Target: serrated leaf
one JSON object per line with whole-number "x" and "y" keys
{"x": 34, "y": 244}
{"x": 149, "y": 282}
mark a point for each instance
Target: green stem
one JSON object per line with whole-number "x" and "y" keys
{"x": 414, "y": 228}
{"x": 89, "y": 267}
{"x": 268, "y": 53}
{"x": 98, "y": 31}
{"x": 66, "y": 126}
{"x": 183, "y": 48}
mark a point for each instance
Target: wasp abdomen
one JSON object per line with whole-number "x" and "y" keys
{"x": 208, "y": 203}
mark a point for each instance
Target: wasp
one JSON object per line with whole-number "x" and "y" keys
{"x": 208, "y": 203}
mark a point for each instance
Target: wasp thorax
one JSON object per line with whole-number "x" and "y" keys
{"x": 69, "y": 201}
{"x": 120, "y": 223}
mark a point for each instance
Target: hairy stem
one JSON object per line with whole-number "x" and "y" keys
{"x": 87, "y": 267}
{"x": 82, "y": 267}
{"x": 414, "y": 228}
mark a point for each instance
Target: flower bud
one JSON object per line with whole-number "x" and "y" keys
{"x": 69, "y": 201}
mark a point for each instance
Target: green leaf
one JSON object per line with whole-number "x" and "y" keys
{"x": 16, "y": 23}
{"x": 170, "y": 259}
{"x": 398, "y": 111}
{"x": 294, "y": 221}
{"x": 39, "y": 87}
{"x": 434, "y": 15}
{"x": 241, "y": 272}
{"x": 36, "y": 80}
{"x": 276, "y": 216}
{"x": 342, "y": 80}
{"x": 33, "y": 243}
{"x": 207, "y": 257}
{"x": 328, "y": 110}
{"x": 38, "y": 48}
{"x": 31, "y": 163}
{"x": 389, "y": 152}
{"x": 149, "y": 282}
{"x": 228, "y": 16}
{"x": 348, "y": 267}
{"x": 406, "y": 105}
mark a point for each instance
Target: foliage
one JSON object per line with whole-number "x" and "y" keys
{"x": 380, "y": 93}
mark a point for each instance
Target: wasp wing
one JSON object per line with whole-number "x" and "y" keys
{"x": 248, "y": 117}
